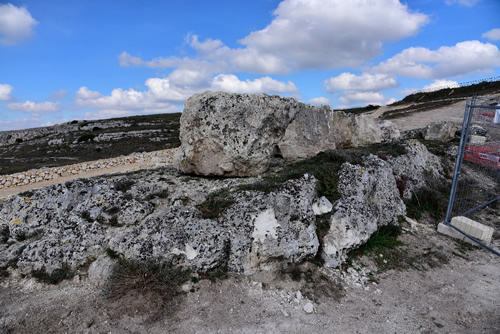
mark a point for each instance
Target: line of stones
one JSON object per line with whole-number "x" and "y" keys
{"x": 43, "y": 174}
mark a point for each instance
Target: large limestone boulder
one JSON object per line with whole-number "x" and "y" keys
{"x": 317, "y": 129}
{"x": 370, "y": 199}
{"x": 390, "y": 131}
{"x": 441, "y": 131}
{"x": 226, "y": 134}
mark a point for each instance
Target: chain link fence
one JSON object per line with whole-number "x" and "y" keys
{"x": 475, "y": 191}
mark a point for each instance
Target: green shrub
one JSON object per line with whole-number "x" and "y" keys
{"x": 216, "y": 203}
{"x": 86, "y": 137}
{"x": 385, "y": 237}
{"x": 58, "y": 275}
{"x": 124, "y": 185}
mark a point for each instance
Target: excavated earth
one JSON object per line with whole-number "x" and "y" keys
{"x": 429, "y": 284}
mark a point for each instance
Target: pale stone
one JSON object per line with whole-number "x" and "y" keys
{"x": 308, "y": 308}
{"x": 322, "y": 206}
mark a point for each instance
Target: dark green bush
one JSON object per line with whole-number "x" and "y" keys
{"x": 86, "y": 137}
{"x": 58, "y": 275}
{"x": 216, "y": 203}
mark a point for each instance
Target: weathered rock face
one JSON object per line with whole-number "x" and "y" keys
{"x": 370, "y": 199}
{"x": 237, "y": 134}
{"x": 415, "y": 167}
{"x": 389, "y": 130}
{"x": 272, "y": 230}
{"x": 230, "y": 134}
{"x": 75, "y": 223}
{"x": 317, "y": 129}
{"x": 441, "y": 131}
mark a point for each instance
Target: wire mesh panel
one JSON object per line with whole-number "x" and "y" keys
{"x": 476, "y": 185}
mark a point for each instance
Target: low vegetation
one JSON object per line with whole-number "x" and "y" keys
{"x": 155, "y": 278}
{"x": 56, "y": 276}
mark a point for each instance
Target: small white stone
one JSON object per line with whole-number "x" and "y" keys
{"x": 308, "y": 308}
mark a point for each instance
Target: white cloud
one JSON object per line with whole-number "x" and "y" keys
{"x": 364, "y": 88}
{"x": 119, "y": 99}
{"x": 5, "y": 91}
{"x": 320, "y": 100}
{"x": 230, "y": 83}
{"x": 363, "y": 97}
{"x": 103, "y": 114}
{"x": 435, "y": 85}
{"x": 35, "y": 108}
{"x": 332, "y": 33}
{"x": 464, "y": 57}
{"x": 20, "y": 123}
{"x": 163, "y": 94}
{"x": 126, "y": 59}
{"x": 467, "y": 3}
{"x": 306, "y": 35}
{"x": 364, "y": 82}
{"x": 441, "y": 84}
{"x": 60, "y": 94}
{"x": 16, "y": 24}
{"x": 493, "y": 34}
{"x": 163, "y": 90}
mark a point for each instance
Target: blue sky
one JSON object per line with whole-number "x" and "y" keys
{"x": 89, "y": 59}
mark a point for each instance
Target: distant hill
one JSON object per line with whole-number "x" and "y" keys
{"x": 80, "y": 141}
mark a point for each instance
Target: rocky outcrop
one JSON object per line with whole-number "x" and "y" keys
{"x": 370, "y": 199}
{"x": 441, "y": 131}
{"x": 274, "y": 230}
{"x": 413, "y": 169}
{"x": 317, "y": 129}
{"x": 70, "y": 225}
{"x": 390, "y": 131}
{"x": 226, "y": 134}
{"x": 157, "y": 214}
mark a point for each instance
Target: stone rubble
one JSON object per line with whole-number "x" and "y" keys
{"x": 148, "y": 159}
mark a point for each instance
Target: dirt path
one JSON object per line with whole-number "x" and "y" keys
{"x": 5, "y": 192}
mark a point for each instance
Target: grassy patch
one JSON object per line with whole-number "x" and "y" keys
{"x": 325, "y": 167}
{"x": 429, "y": 200}
{"x": 385, "y": 237}
{"x": 124, "y": 185}
{"x": 4, "y": 234}
{"x": 156, "y": 278}
{"x": 58, "y": 275}
{"x": 216, "y": 203}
